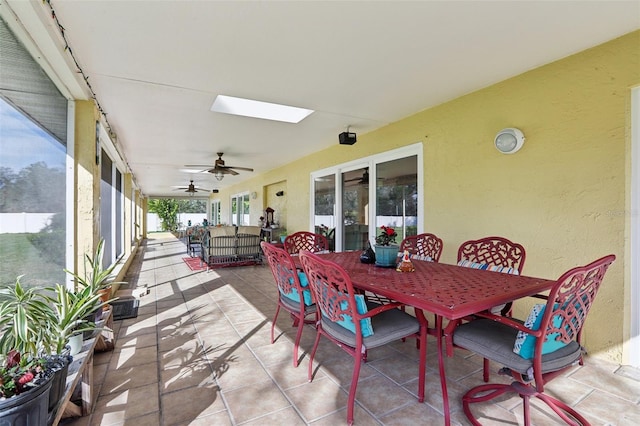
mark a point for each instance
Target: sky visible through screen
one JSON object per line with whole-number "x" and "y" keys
{"x": 22, "y": 142}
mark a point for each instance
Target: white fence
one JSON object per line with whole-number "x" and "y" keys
{"x": 154, "y": 224}
{"x": 21, "y": 223}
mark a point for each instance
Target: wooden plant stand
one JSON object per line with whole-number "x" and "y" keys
{"x": 80, "y": 375}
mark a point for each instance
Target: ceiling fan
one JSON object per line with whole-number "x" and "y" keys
{"x": 192, "y": 189}
{"x": 363, "y": 180}
{"x": 220, "y": 169}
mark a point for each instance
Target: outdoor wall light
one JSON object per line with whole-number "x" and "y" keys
{"x": 509, "y": 140}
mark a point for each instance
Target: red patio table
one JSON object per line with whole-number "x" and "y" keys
{"x": 448, "y": 291}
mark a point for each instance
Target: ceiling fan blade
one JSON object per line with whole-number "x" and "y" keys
{"x": 223, "y": 170}
{"x": 248, "y": 169}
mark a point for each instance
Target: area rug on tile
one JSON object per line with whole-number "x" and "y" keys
{"x": 195, "y": 263}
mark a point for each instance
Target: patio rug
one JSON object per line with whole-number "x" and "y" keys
{"x": 195, "y": 263}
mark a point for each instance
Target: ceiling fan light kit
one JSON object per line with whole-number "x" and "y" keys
{"x": 192, "y": 189}
{"x": 220, "y": 169}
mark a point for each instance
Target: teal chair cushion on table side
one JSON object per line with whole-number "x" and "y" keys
{"x": 306, "y": 294}
{"x": 525, "y": 343}
{"x": 365, "y": 324}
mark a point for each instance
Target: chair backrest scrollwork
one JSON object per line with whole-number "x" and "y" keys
{"x": 283, "y": 269}
{"x": 303, "y": 240}
{"x": 423, "y": 245}
{"x": 494, "y": 251}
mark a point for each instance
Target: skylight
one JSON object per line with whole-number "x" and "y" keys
{"x": 259, "y": 109}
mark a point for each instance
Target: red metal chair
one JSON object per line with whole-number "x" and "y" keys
{"x": 304, "y": 240}
{"x": 493, "y": 253}
{"x": 292, "y": 295}
{"x": 554, "y": 342}
{"x": 423, "y": 246}
{"x": 354, "y": 324}
{"x": 496, "y": 252}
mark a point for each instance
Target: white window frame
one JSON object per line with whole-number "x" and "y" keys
{"x": 371, "y": 162}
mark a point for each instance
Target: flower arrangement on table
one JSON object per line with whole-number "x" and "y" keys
{"x": 387, "y": 236}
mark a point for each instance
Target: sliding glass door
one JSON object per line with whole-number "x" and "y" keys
{"x": 355, "y": 209}
{"x": 324, "y": 211}
{"x": 240, "y": 210}
{"x": 351, "y": 201}
{"x": 397, "y": 196}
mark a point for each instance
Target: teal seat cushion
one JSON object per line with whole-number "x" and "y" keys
{"x": 306, "y": 293}
{"x": 525, "y": 343}
{"x": 365, "y": 324}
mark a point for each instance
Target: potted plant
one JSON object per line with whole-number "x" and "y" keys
{"x": 38, "y": 324}
{"x": 25, "y": 383}
{"x": 386, "y": 248}
{"x": 95, "y": 277}
{"x": 25, "y": 315}
{"x": 70, "y": 312}
{"x": 25, "y": 338}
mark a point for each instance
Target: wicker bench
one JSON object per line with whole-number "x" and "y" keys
{"x": 231, "y": 246}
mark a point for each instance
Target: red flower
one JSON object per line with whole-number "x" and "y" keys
{"x": 387, "y": 237}
{"x": 26, "y": 378}
{"x": 18, "y": 374}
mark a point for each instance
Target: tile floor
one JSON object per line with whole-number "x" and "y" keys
{"x": 199, "y": 354}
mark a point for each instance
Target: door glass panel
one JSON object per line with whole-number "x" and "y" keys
{"x": 397, "y": 196}
{"x": 240, "y": 210}
{"x": 245, "y": 220}
{"x": 215, "y": 213}
{"x": 355, "y": 208}
{"x": 324, "y": 218}
{"x": 234, "y": 211}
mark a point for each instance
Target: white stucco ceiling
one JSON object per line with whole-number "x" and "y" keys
{"x": 157, "y": 66}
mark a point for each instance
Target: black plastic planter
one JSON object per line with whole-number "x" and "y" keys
{"x": 28, "y": 408}
{"x": 59, "y": 365}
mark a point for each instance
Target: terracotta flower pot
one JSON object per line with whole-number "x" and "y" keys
{"x": 105, "y": 295}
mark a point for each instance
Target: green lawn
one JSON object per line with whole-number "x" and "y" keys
{"x": 18, "y": 256}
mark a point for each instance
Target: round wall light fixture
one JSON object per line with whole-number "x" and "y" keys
{"x": 509, "y": 140}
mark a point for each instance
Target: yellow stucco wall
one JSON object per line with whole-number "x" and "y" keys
{"x": 562, "y": 196}
{"x": 87, "y": 183}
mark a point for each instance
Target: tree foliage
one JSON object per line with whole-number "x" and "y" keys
{"x": 36, "y": 188}
{"x": 167, "y": 210}
{"x": 192, "y": 206}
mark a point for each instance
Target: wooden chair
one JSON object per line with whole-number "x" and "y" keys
{"x": 548, "y": 343}
{"x": 348, "y": 320}
{"x": 304, "y": 240}
{"x": 293, "y": 296}
{"x": 423, "y": 246}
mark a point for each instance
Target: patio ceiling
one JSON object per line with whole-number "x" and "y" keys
{"x": 156, "y": 68}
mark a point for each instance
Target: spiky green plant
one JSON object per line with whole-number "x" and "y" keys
{"x": 70, "y": 310}
{"x": 25, "y": 315}
{"x": 95, "y": 276}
